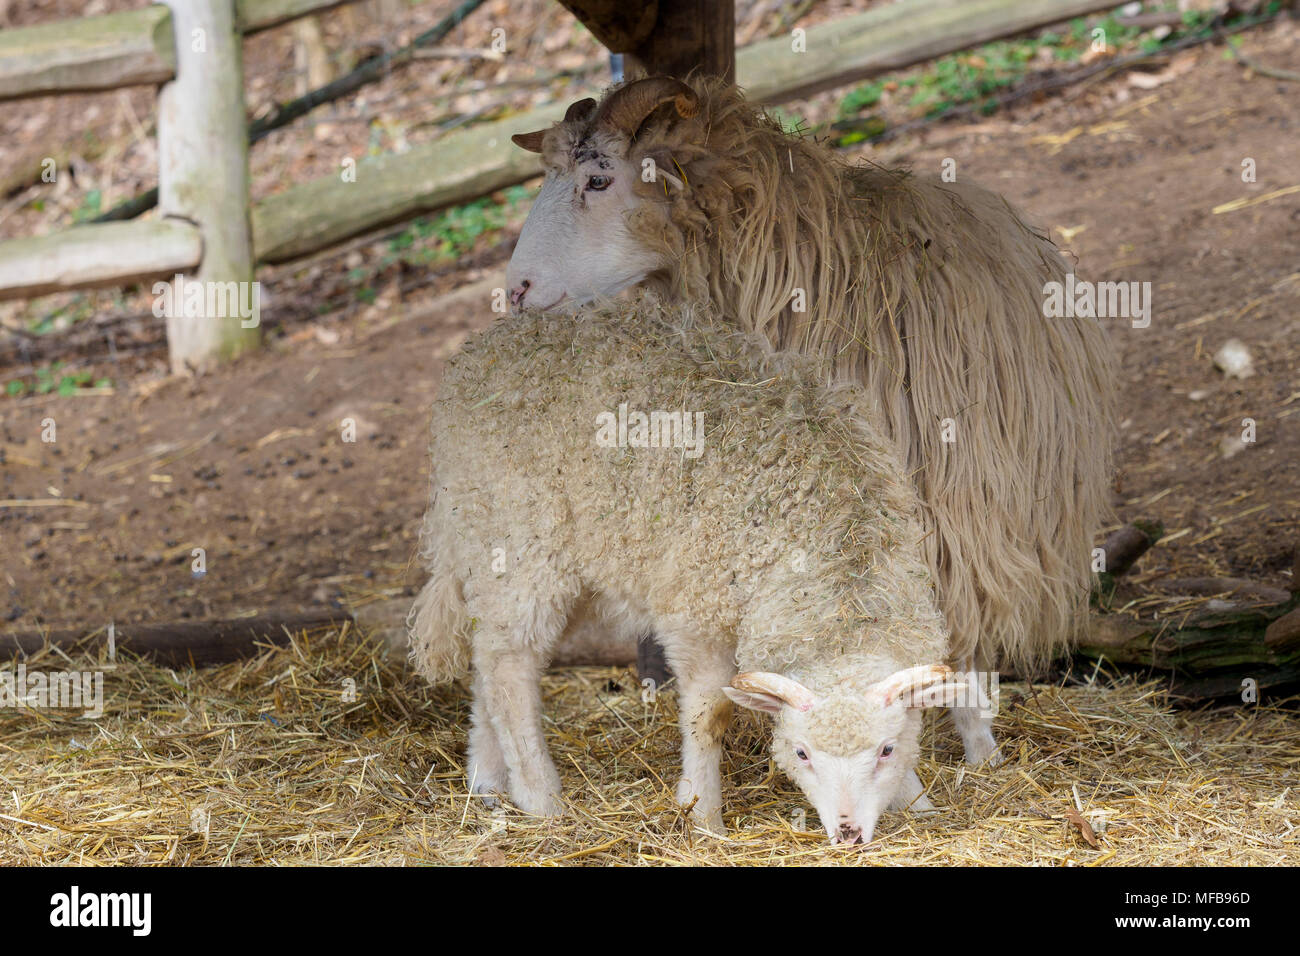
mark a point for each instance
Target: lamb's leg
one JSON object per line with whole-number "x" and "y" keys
{"x": 911, "y": 796}
{"x": 512, "y": 697}
{"x": 704, "y": 712}
{"x": 487, "y": 772}
{"x": 974, "y": 722}
{"x": 521, "y": 616}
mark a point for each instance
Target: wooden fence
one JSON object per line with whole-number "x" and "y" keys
{"x": 207, "y": 230}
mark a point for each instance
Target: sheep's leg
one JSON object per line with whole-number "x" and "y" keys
{"x": 512, "y": 698}
{"x": 704, "y": 712}
{"x": 487, "y": 771}
{"x": 974, "y": 722}
{"x": 911, "y": 796}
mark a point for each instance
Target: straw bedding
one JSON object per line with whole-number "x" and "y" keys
{"x": 263, "y": 762}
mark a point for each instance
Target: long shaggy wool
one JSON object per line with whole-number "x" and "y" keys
{"x": 793, "y": 533}
{"x": 929, "y": 294}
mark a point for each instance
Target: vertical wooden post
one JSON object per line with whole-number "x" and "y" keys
{"x": 688, "y": 34}
{"x": 203, "y": 178}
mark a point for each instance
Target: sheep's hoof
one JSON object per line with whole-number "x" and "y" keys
{"x": 709, "y": 821}
{"x": 488, "y": 789}
{"x": 922, "y": 807}
{"x": 989, "y": 759}
{"x": 540, "y": 805}
{"x": 983, "y": 751}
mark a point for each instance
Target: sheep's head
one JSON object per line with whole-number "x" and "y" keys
{"x": 850, "y": 752}
{"x": 577, "y": 243}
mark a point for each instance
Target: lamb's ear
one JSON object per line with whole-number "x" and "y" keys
{"x": 764, "y": 702}
{"x": 930, "y": 685}
{"x": 529, "y": 141}
{"x": 769, "y": 692}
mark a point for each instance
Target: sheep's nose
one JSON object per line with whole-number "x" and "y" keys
{"x": 849, "y": 833}
{"x": 518, "y": 292}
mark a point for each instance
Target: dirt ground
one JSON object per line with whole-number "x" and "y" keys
{"x": 250, "y": 464}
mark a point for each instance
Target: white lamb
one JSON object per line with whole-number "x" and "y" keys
{"x": 779, "y": 539}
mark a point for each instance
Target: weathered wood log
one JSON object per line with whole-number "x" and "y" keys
{"x": 202, "y": 643}
{"x": 889, "y": 37}
{"x": 93, "y": 53}
{"x": 1209, "y": 654}
{"x": 1125, "y": 545}
{"x": 1224, "y": 587}
{"x": 254, "y": 16}
{"x": 203, "y": 179}
{"x": 395, "y": 187}
{"x": 109, "y": 254}
{"x": 180, "y": 643}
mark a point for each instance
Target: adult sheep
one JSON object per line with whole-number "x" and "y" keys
{"x": 649, "y": 467}
{"x": 929, "y": 294}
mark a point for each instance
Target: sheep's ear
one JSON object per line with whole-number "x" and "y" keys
{"x": 529, "y": 141}
{"x": 930, "y": 685}
{"x": 769, "y": 692}
{"x": 764, "y": 702}
{"x": 580, "y": 110}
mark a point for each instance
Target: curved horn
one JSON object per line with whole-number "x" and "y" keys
{"x": 530, "y": 141}
{"x": 628, "y": 106}
{"x": 579, "y": 110}
{"x": 775, "y": 685}
{"x": 912, "y": 680}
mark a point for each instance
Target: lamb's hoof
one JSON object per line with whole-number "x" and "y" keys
{"x": 540, "y": 804}
{"x": 983, "y": 752}
{"x": 922, "y": 807}
{"x": 709, "y": 821}
{"x": 487, "y": 789}
{"x": 704, "y": 813}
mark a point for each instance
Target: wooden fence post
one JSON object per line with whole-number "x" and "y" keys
{"x": 212, "y": 315}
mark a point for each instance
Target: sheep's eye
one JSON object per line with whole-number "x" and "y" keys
{"x": 597, "y": 183}
{"x": 886, "y": 750}
{"x": 801, "y": 754}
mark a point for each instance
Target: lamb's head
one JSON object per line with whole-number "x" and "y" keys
{"x": 602, "y": 171}
{"x": 850, "y": 752}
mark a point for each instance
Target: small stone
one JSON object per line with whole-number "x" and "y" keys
{"x": 1233, "y": 359}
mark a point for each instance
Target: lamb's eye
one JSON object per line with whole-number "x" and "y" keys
{"x": 801, "y": 754}
{"x": 597, "y": 183}
{"x": 886, "y": 750}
